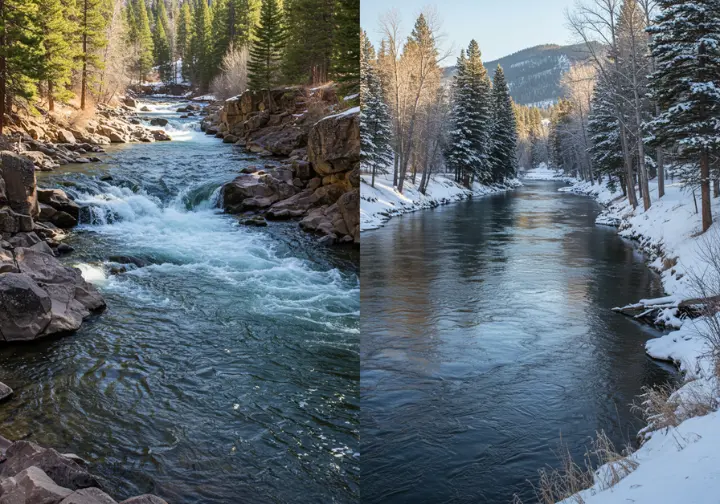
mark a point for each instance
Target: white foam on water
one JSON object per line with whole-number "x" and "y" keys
{"x": 202, "y": 243}
{"x": 95, "y": 274}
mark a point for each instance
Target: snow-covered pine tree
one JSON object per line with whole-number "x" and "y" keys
{"x": 686, "y": 84}
{"x": 460, "y": 155}
{"x": 375, "y": 123}
{"x": 479, "y": 113}
{"x": 504, "y": 132}
{"x": 604, "y": 130}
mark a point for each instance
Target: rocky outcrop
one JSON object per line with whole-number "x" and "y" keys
{"x": 39, "y": 296}
{"x": 32, "y": 474}
{"x": 319, "y": 185}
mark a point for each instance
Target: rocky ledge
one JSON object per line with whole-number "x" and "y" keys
{"x": 32, "y": 474}
{"x": 50, "y": 140}
{"x": 317, "y": 179}
{"x": 39, "y": 296}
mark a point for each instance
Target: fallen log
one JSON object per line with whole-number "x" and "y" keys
{"x": 660, "y": 311}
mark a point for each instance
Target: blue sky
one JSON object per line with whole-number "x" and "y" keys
{"x": 501, "y": 27}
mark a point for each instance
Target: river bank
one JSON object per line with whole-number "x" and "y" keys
{"x": 380, "y": 203}
{"x": 678, "y": 458}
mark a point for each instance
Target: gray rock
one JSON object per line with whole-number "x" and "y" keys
{"x": 158, "y": 121}
{"x": 59, "y": 200}
{"x": 64, "y": 136}
{"x": 32, "y": 485}
{"x": 88, "y": 496}
{"x": 63, "y": 471}
{"x": 27, "y": 309}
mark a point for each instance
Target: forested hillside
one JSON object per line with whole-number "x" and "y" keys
{"x": 534, "y": 74}
{"x": 91, "y": 50}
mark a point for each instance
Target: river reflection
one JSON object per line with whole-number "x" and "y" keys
{"x": 486, "y": 334}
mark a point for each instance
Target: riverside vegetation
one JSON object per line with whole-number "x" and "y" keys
{"x": 71, "y": 77}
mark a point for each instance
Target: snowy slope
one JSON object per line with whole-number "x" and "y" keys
{"x": 380, "y": 203}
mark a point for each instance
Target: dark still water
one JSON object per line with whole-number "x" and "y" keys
{"x": 226, "y": 369}
{"x": 486, "y": 334}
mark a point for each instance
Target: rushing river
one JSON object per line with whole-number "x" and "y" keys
{"x": 226, "y": 369}
{"x": 486, "y": 336}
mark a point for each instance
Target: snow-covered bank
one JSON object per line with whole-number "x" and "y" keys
{"x": 679, "y": 462}
{"x": 378, "y": 204}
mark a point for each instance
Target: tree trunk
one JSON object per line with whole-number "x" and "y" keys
{"x": 83, "y": 84}
{"x": 628, "y": 168}
{"x": 51, "y": 100}
{"x": 705, "y": 190}
{"x": 660, "y": 158}
{"x": 3, "y": 70}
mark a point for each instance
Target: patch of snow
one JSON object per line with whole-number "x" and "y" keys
{"x": 544, "y": 172}
{"x": 381, "y": 202}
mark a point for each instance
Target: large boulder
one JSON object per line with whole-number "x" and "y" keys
{"x": 64, "y": 136}
{"x": 349, "y": 206}
{"x": 158, "y": 121}
{"x": 62, "y": 470}
{"x": 334, "y": 143}
{"x": 130, "y": 102}
{"x": 32, "y": 485}
{"x": 59, "y": 200}
{"x": 257, "y": 190}
{"x": 17, "y": 184}
{"x": 72, "y": 298}
{"x": 27, "y": 309}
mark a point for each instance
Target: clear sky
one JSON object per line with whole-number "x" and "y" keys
{"x": 501, "y": 27}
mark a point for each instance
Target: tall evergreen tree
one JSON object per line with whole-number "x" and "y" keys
{"x": 57, "y": 19}
{"x": 460, "y": 155}
{"x": 222, "y": 26}
{"x": 184, "y": 35}
{"x": 201, "y": 45}
{"x": 92, "y": 36}
{"x": 504, "y": 130}
{"x": 686, "y": 84}
{"x": 161, "y": 44}
{"x": 266, "y": 50}
{"x": 140, "y": 38}
{"x": 346, "y": 47}
{"x": 375, "y": 126}
{"x": 310, "y": 33}
{"x": 604, "y": 130}
{"x": 21, "y": 54}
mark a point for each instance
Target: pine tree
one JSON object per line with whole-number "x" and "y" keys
{"x": 140, "y": 38}
{"x": 375, "y": 123}
{"x": 57, "y": 20}
{"x": 184, "y": 34}
{"x": 21, "y": 53}
{"x": 309, "y": 37}
{"x": 92, "y": 36}
{"x": 201, "y": 45}
{"x": 460, "y": 155}
{"x": 686, "y": 84}
{"x": 604, "y": 130}
{"x": 470, "y": 139}
{"x": 266, "y": 51}
{"x": 161, "y": 44}
{"x": 504, "y": 130}
{"x": 346, "y": 47}
{"x": 244, "y": 16}
{"x": 221, "y": 32}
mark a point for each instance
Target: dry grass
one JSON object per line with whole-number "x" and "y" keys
{"x": 669, "y": 263}
{"x": 661, "y": 407}
{"x": 571, "y": 477}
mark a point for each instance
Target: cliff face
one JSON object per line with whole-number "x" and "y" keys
{"x": 318, "y": 179}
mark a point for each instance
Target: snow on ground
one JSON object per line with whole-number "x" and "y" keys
{"x": 675, "y": 464}
{"x": 544, "y": 172}
{"x": 378, "y": 204}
